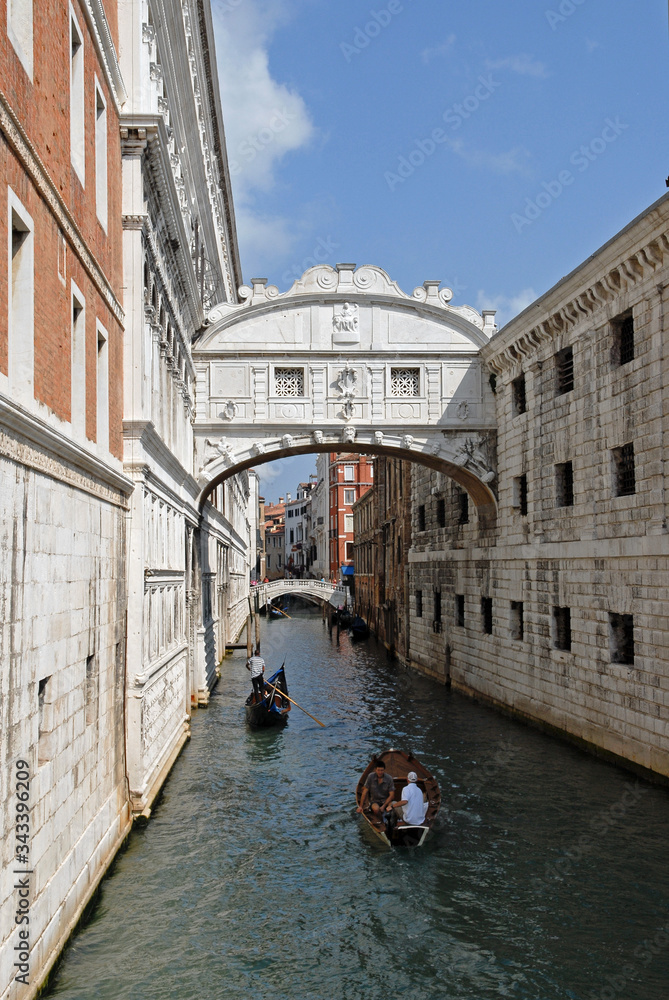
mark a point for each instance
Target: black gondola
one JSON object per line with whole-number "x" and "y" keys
{"x": 273, "y": 709}
{"x": 358, "y": 628}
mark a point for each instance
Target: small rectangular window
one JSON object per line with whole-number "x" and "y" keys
{"x": 623, "y": 339}
{"x": 437, "y": 605}
{"x": 419, "y": 604}
{"x": 78, "y": 367}
{"x": 91, "y": 689}
{"x": 103, "y": 390}
{"x": 562, "y": 628}
{"x": 349, "y": 496}
{"x": 486, "y": 614}
{"x": 421, "y": 517}
{"x": 517, "y": 624}
{"x": 520, "y": 494}
{"x": 460, "y": 610}
{"x": 45, "y": 730}
{"x": 564, "y": 485}
{"x": 348, "y": 523}
{"x": 100, "y": 157}
{"x": 621, "y": 638}
{"x": 518, "y": 396}
{"x": 349, "y": 474}
{"x": 463, "y": 507}
{"x": 404, "y": 381}
{"x": 564, "y": 371}
{"x": 441, "y": 512}
{"x": 21, "y": 302}
{"x": 289, "y": 381}
{"x": 349, "y": 551}
{"x": 624, "y": 478}
{"x": 20, "y": 31}
{"x": 77, "y": 129}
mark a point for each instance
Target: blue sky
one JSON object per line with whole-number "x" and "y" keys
{"x": 492, "y": 145}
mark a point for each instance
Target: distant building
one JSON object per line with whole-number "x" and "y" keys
{"x": 298, "y": 557}
{"x": 349, "y": 478}
{"x": 275, "y": 546}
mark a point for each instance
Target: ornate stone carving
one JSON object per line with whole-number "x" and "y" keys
{"x": 258, "y": 448}
{"x": 348, "y": 435}
{"x": 463, "y": 410}
{"x": 347, "y": 320}
{"x": 287, "y": 441}
{"x": 230, "y": 410}
{"x": 378, "y": 437}
{"x": 317, "y": 437}
{"x": 347, "y": 410}
{"x": 346, "y": 381}
{"x": 471, "y": 456}
{"x": 407, "y": 440}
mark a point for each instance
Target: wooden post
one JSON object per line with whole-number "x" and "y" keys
{"x": 249, "y": 643}
{"x": 257, "y": 618}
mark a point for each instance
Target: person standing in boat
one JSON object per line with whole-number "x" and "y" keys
{"x": 256, "y": 665}
{"x": 379, "y": 790}
{"x": 412, "y": 802}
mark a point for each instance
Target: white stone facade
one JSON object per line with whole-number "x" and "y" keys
{"x": 574, "y": 634}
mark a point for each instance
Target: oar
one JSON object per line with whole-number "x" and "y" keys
{"x": 282, "y": 613}
{"x": 284, "y": 695}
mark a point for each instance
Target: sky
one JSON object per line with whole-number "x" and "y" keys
{"x": 494, "y": 146}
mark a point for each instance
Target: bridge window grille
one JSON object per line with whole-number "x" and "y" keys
{"x": 441, "y": 513}
{"x": 623, "y": 470}
{"x": 463, "y": 507}
{"x": 460, "y": 610}
{"x": 562, "y": 628}
{"x": 419, "y": 604}
{"x": 405, "y": 381}
{"x": 621, "y": 637}
{"x": 564, "y": 485}
{"x": 486, "y": 614}
{"x": 517, "y": 620}
{"x": 289, "y": 381}
{"x": 518, "y": 396}
{"x": 564, "y": 370}
{"x": 623, "y": 344}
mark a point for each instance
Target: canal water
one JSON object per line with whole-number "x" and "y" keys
{"x": 546, "y": 878}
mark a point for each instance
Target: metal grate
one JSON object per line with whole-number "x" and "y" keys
{"x": 564, "y": 370}
{"x": 463, "y": 507}
{"x": 486, "y": 614}
{"x": 460, "y": 610}
{"x": 419, "y": 604}
{"x": 421, "y": 517}
{"x": 441, "y": 512}
{"x": 625, "y": 479}
{"x": 564, "y": 475}
{"x": 626, "y": 340}
{"x": 519, "y": 396}
{"x": 562, "y": 622}
{"x": 621, "y": 633}
{"x": 289, "y": 381}
{"x": 404, "y": 381}
{"x": 517, "y": 622}
{"x": 520, "y": 494}
{"x": 437, "y": 607}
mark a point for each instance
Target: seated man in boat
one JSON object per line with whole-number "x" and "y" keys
{"x": 379, "y": 791}
{"x": 412, "y": 803}
{"x": 256, "y": 665}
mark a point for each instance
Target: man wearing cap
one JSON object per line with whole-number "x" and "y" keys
{"x": 379, "y": 790}
{"x": 414, "y": 806}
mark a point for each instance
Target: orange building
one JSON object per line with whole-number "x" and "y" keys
{"x": 350, "y": 476}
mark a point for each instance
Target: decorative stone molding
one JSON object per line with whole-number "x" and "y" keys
{"x": 470, "y": 455}
{"x": 98, "y": 26}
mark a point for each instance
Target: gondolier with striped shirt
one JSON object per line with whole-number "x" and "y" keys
{"x": 256, "y": 665}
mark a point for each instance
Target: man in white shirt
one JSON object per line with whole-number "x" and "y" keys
{"x": 256, "y": 665}
{"x": 412, "y": 802}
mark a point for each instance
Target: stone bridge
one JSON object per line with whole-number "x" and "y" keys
{"x": 318, "y": 589}
{"x": 345, "y": 361}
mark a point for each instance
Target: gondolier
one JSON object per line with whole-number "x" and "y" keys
{"x": 256, "y": 665}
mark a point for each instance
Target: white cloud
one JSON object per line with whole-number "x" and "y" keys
{"x": 427, "y": 55}
{"x": 523, "y": 65}
{"x": 264, "y": 119}
{"x": 507, "y": 306}
{"x": 512, "y": 161}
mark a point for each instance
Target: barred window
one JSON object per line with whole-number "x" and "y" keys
{"x": 518, "y": 397}
{"x": 289, "y": 381}
{"x": 460, "y": 610}
{"x": 486, "y": 614}
{"x": 421, "y": 517}
{"x": 517, "y": 623}
{"x": 562, "y": 628}
{"x": 564, "y": 485}
{"x": 623, "y": 339}
{"x": 436, "y": 624}
{"x": 624, "y": 480}
{"x": 404, "y": 381}
{"x": 419, "y": 604}
{"x": 463, "y": 507}
{"x": 520, "y": 494}
{"x": 441, "y": 512}
{"x": 564, "y": 371}
{"x": 621, "y": 638}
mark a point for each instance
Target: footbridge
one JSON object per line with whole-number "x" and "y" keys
{"x": 321, "y": 590}
{"x": 345, "y": 361}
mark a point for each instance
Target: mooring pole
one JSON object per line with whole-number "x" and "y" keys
{"x": 249, "y": 642}
{"x": 257, "y": 618}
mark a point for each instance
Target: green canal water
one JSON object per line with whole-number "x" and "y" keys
{"x": 546, "y": 878}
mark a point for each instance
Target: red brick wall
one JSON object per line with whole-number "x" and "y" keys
{"x": 42, "y": 107}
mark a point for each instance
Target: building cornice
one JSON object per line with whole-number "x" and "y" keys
{"x": 30, "y": 160}
{"x": 98, "y": 26}
{"x": 632, "y": 257}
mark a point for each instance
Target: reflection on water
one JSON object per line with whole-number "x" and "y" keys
{"x": 545, "y": 874}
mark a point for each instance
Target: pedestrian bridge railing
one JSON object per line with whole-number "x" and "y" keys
{"x": 322, "y": 590}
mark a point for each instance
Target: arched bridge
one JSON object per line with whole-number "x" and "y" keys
{"x": 345, "y": 361}
{"x": 322, "y": 590}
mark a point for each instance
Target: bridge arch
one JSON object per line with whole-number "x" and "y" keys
{"x": 345, "y": 361}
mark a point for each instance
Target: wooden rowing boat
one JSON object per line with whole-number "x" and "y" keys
{"x": 398, "y": 764}
{"x": 273, "y": 709}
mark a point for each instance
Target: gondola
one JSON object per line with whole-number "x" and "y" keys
{"x": 273, "y": 709}
{"x": 398, "y": 764}
{"x": 358, "y": 628}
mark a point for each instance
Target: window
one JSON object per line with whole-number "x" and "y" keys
{"x": 349, "y": 496}
{"x": 269, "y": 560}
{"x": 460, "y": 610}
{"x": 289, "y": 381}
{"x": 78, "y": 380}
{"x": 421, "y": 517}
{"x": 486, "y": 614}
{"x": 564, "y": 485}
{"x": 419, "y": 604}
{"x": 91, "y": 689}
{"x": 20, "y": 31}
{"x": 520, "y": 494}
{"x": 562, "y": 628}
{"x": 518, "y": 396}
{"x": 463, "y": 507}
{"x": 348, "y": 523}
{"x": 62, "y": 256}
{"x": 441, "y": 512}
{"x": 564, "y": 371}
{"x": 77, "y": 131}
{"x": 621, "y": 638}
{"x": 100, "y": 157}
{"x": 436, "y": 623}
{"x": 349, "y": 473}
{"x": 292, "y": 536}
{"x": 21, "y": 301}
{"x": 102, "y": 435}
{"x": 290, "y": 512}
{"x": 404, "y": 381}
{"x": 623, "y": 339}
{"x": 349, "y": 551}
{"x": 624, "y": 481}
{"x": 45, "y": 733}
{"x": 517, "y": 624}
